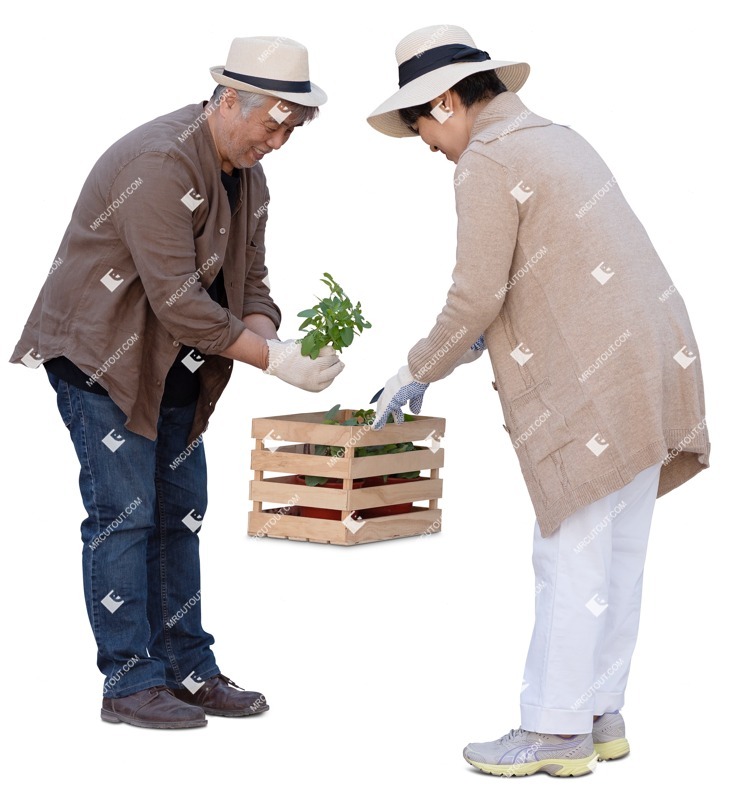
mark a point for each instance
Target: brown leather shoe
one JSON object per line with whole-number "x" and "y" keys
{"x": 155, "y": 707}
{"x": 220, "y": 696}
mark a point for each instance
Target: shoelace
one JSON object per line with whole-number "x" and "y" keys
{"x": 230, "y": 683}
{"x": 512, "y": 734}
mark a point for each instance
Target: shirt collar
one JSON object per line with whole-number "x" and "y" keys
{"x": 211, "y": 147}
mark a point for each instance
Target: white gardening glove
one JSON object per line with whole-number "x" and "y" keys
{"x": 287, "y": 363}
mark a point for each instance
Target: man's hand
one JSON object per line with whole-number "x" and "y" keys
{"x": 398, "y": 390}
{"x": 286, "y": 362}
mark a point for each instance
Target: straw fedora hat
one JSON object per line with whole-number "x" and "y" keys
{"x": 432, "y": 60}
{"x": 270, "y": 65}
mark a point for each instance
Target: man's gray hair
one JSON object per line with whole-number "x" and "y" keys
{"x": 249, "y": 101}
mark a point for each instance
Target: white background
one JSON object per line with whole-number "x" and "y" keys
{"x": 379, "y": 662}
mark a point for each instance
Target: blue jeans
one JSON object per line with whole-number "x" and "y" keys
{"x": 145, "y": 501}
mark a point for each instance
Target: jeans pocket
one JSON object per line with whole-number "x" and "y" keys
{"x": 53, "y": 380}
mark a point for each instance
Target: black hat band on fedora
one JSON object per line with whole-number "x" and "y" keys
{"x": 296, "y": 86}
{"x": 435, "y": 58}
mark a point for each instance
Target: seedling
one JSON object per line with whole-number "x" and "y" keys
{"x": 360, "y": 417}
{"x": 333, "y": 320}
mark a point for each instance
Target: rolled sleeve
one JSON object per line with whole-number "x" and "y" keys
{"x": 486, "y": 239}
{"x": 157, "y": 229}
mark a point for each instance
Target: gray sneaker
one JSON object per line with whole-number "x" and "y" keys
{"x": 609, "y": 740}
{"x": 522, "y": 752}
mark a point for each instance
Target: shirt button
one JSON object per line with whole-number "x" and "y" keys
{"x": 494, "y": 386}
{"x": 211, "y": 404}
{"x": 506, "y": 427}
{"x": 175, "y": 344}
{"x": 222, "y": 230}
{"x": 158, "y": 382}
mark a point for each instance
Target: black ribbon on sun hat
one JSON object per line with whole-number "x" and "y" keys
{"x": 438, "y": 57}
{"x": 296, "y": 86}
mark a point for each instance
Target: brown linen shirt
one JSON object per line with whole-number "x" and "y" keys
{"x": 149, "y": 233}
{"x": 595, "y": 362}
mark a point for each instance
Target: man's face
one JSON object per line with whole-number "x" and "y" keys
{"x": 242, "y": 142}
{"x": 442, "y": 132}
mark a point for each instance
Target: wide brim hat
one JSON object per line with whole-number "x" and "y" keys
{"x": 432, "y": 60}
{"x": 272, "y": 65}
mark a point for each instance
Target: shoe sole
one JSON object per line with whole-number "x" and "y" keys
{"x": 234, "y": 713}
{"x": 554, "y": 767}
{"x": 612, "y": 750}
{"x": 116, "y": 718}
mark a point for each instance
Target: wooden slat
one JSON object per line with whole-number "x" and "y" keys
{"x": 377, "y": 496}
{"x": 372, "y": 465}
{"x": 258, "y": 475}
{"x": 279, "y": 489}
{"x": 434, "y": 502}
{"x": 283, "y": 489}
{"x": 417, "y": 460}
{"x": 294, "y": 463}
{"x": 418, "y": 522}
{"x": 310, "y": 429}
{"x": 297, "y": 527}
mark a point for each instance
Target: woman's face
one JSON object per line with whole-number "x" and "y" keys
{"x": 447, "y": 129}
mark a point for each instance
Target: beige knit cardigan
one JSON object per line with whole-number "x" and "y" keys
{"x": 595, "y": 362}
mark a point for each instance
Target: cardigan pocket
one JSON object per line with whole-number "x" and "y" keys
{"x": 539, "y": 431}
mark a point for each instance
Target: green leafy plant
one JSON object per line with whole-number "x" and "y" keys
{"x": 361, "y": 417}
{"x": 333, "y": 320}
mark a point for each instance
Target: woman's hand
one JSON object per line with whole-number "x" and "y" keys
{"x": 398, "y": 390}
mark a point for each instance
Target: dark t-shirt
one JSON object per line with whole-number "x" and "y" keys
{"x": 182, "y": 385}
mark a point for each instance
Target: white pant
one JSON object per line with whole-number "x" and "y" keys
{"x": 587, "y": 609}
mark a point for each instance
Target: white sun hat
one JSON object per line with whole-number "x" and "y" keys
{"x": 270, "y": 65}
{"x": 432, "y": 60}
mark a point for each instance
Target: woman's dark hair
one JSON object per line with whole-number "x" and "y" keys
{"x": 473, "y": 89}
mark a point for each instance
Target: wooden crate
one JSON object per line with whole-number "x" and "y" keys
{"x": 304, "y": 431}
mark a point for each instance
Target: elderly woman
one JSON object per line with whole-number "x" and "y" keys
{"x": 596, "y": 368}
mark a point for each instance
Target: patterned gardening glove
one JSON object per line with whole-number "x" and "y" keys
{"x": 479, "y": 345}
{"x": 398, "y": 390}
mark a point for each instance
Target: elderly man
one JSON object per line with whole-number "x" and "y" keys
{"x": 159, "y": 283}
{"x": 597, "y": 371}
